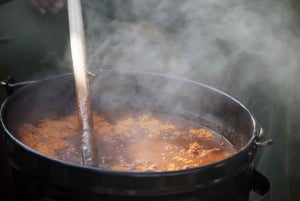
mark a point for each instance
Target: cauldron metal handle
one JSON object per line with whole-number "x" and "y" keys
{"x": 264, "y": 144}
{"x": 262, "y": 187}
{"x": 10, "y": 84}
{"x": 258, "y": 143}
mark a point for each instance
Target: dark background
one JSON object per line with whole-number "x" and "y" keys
{"x": 34, "y": 46}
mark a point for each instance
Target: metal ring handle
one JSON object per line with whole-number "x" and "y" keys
{"x": 264, "y": 144}
{"x": 259, "y": 134}
{"x": 9, "y": 84}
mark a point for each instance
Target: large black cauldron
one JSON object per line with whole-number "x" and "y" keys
{"x": 232, "y": 179}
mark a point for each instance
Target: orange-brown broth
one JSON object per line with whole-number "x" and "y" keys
{"x": 139, "y": 143}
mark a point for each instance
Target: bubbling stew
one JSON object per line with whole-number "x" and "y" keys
{"x": 144, "y": 142}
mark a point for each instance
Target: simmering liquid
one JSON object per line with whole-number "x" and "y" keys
{"x": 140, "y": 143}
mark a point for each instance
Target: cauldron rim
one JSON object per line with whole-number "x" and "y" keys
{"x": 151, "y": 174}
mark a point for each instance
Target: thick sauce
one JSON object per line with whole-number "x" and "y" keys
{"x": 140, "y": 142}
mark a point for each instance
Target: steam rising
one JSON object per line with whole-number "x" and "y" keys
{"x": 184, "y": 37}
{"x": 247, "y": 48}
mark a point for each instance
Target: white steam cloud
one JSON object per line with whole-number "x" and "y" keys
{"x": 247, "y": 48}
{"x": 198, "y": 39}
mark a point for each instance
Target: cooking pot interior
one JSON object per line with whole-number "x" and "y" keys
{"x": 118, "y": 93}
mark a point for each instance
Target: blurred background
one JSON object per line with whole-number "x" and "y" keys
{"x": 249, "y": 49}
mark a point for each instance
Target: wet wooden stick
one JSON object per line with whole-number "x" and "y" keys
{"x": 77, "y": 41}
